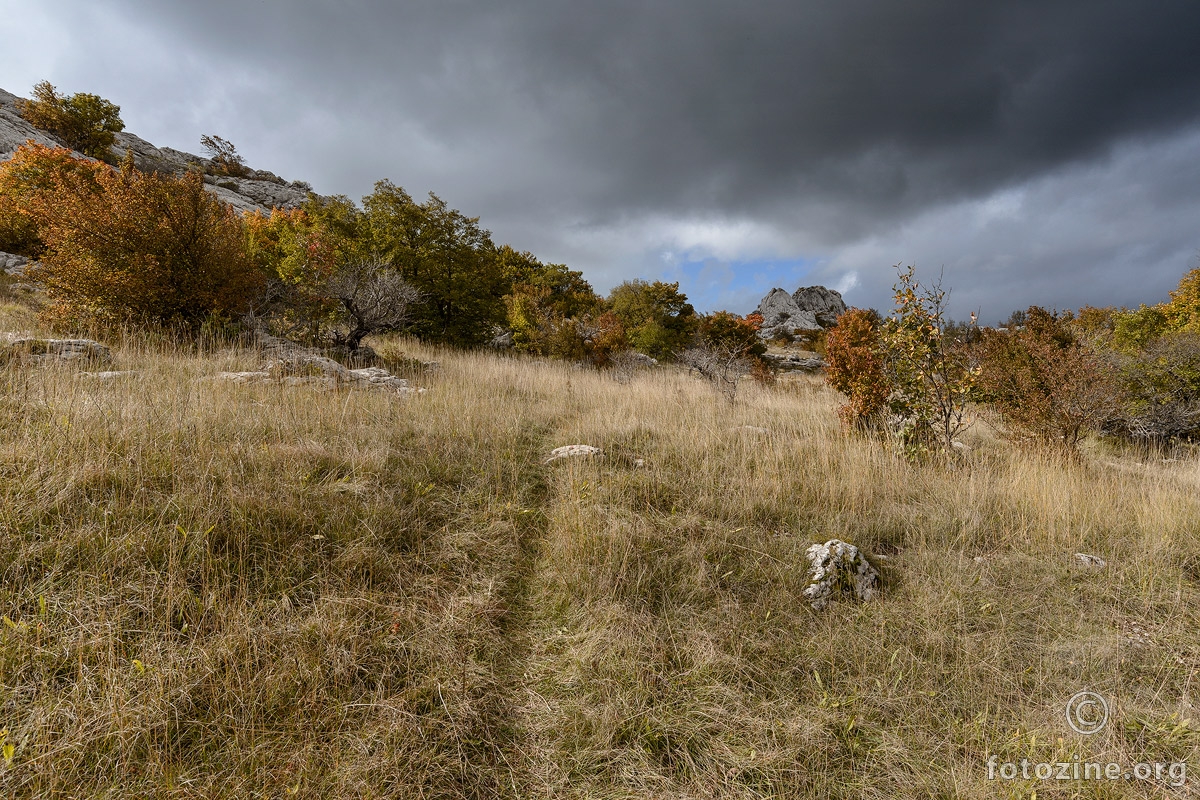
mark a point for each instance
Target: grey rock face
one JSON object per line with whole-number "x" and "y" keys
{"x": 14, "y": 131}
{"x": 837, "y": 568}
{"x": 781, "y": 316}
{"x": 825, "y": 304}
{"x": 320, "y": 371}
{"x": 808, "y": 309}
{"x": 793, "y": 363}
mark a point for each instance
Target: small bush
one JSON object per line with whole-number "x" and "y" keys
{"x": 1161, "y": 386}
{"x": 930, "y": 369}
{"x": 1047, "y": 384}
{"x": 224, "y": 158}
{"x": 854, "y": 365}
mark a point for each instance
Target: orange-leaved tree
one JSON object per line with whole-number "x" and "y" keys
{"x": 124, "y": 245}
{"x": 855, "y": 366}
{"x": 36, "y": 168}
{"x": 1046, "y": 383}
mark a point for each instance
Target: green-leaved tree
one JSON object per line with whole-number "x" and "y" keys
{"x": 84, "y": 122}
{"x": 657, "y": 317}
{"x": 445, "y": 257}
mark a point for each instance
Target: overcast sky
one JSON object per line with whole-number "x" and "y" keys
{"x": 1033, "y": 152}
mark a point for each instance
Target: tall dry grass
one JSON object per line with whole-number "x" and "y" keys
{"x": 227, "y": 591}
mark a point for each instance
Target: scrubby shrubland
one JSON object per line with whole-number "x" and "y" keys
{"x": 1053, "y": 378}
{"x": 220, "y": 590}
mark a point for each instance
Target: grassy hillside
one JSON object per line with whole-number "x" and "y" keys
{"x": 228, "y": 591}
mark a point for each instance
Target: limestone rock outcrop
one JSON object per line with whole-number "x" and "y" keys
{"x": 807, "y": 310}
{"x": 14, "y": 130}
{"x": 301, "y": 369}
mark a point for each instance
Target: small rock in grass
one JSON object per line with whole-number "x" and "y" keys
{"x": 753, "y": 430}
{"x": 574, "y": 450}
{"x": 109, "y": 375}
{"x": 838, "y": 567}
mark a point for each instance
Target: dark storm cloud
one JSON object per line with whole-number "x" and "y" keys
{"x": 610, "y": 133}
{"x": 737, "y": 106}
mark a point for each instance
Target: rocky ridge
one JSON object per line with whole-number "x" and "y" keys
{"x": 258, "y": 191}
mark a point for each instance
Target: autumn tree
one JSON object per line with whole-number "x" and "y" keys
{"x": 1045, "y": 382}
{"x": 84, "y": 122}
{"x": 930, "y": 373}
{"x": 445, "y": 256}
{"x": 543, "y": 299}
{"x": 373, "y": 298}
{"x": 855, "y": 365}
{"x": 33, "y": 169}
{"x": 1182, "y": 313}
{"x": 658, "y": 319}
{"x": 298, "y": 256}
{"x": 127, "y": 245}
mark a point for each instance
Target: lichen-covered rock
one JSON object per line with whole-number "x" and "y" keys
{"x": 35, "y": 350}
{"x": 574, "y": 451}
{"x": 837, "y": 568}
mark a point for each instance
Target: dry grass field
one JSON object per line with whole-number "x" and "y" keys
{"x": 224, "y": 591}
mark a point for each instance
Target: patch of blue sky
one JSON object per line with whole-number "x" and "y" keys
{"x": 713, "y": 284}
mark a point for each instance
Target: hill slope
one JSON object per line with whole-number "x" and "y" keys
{"x": 261, "y": 191}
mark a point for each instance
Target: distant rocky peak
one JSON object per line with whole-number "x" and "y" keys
{"x": 808, "y": 309}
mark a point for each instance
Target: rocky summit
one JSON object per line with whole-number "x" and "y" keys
{"x": 808, "y": 309}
